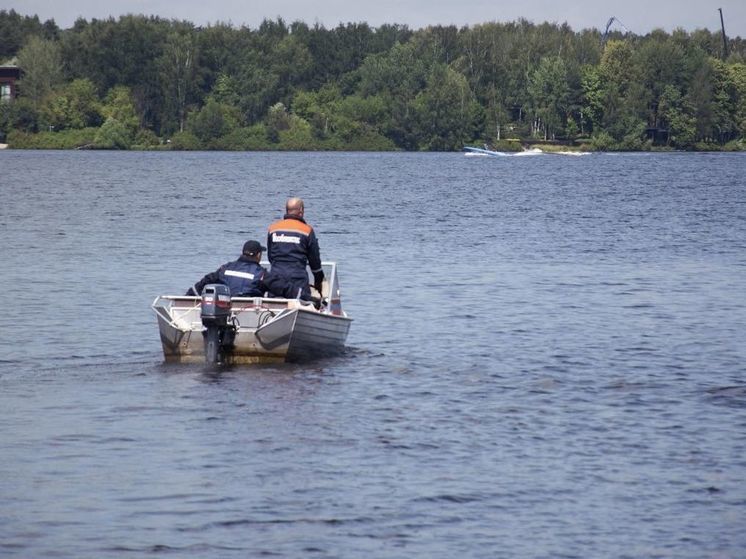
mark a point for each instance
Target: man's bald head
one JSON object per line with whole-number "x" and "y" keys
{"x": 294, "y": 206}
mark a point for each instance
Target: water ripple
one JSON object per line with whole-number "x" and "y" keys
{"x": 546, "y": 360}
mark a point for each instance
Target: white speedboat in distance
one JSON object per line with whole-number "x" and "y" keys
{"x": 256, "y": 329}
{"x": 479, "y": 152}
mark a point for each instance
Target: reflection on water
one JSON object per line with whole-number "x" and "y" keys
{"x": 547, "y": 359}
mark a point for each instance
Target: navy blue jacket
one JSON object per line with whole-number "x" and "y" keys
{"x": 244, "y": 278}
{"x": 291, "y": 245}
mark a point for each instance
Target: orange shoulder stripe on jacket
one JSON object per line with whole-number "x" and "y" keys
{"x": 290, "y": 225}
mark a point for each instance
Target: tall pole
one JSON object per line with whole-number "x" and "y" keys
{"x": 725, "y": 40}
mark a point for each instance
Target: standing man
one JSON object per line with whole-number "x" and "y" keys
{"x": 244, "y": 277}
{"x": 291, "y": 246}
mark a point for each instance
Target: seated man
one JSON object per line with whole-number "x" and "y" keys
{"x": 244, "y": 277}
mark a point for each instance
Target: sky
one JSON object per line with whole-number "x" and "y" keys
{"x": 638, "y": 16}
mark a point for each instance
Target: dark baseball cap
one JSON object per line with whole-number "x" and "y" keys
{"x": 252, "y": 248}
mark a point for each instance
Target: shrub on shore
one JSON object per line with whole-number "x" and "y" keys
{"x": 65, "y": 139}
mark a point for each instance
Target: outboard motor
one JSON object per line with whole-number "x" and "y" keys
{"x": 220, "y": 331}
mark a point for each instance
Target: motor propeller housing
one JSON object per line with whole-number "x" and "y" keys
{"x": 219, "y": 332}
{"x": 216, "y": 305}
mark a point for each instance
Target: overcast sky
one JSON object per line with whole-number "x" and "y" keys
{"x": 639, "y": 16}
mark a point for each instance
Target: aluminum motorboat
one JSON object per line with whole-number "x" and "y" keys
{"x": 217, "y": 328}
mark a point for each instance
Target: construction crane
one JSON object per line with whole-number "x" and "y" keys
{"x": 612, "y": 19}
{"x": 725, "y": 39}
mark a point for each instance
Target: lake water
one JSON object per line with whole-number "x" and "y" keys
{"x": 547, "y": 359}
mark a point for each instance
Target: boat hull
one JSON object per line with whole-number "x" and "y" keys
{"x": 268, "y": 331}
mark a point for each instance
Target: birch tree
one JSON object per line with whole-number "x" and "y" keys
{"x": 177, "y": 70}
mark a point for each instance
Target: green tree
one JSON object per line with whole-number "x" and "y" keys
{"x": 120, "y": 51}
{"x": 725, "y": 100}
{"x": 15, "y": 31}
{"x": 75, "y": 105}
{"x": 176, "y": 67}
{"x": 123, "y": 52}
{"x": 676, "y": 114}
{"x": 335, "y": 52}
{"x": 657, "y": 62}
{"x": 120, "y": 106}
{"x": 497, "y": 117}
{"x": 549, "y": 94}
{"x": 624, "y": 101}
{"x": 592, "y": 100}
{"x": 397, "y": 76}
{"x": 213, "y": 121}
{"x": 447, "y": 114}
{"x": 41, "y": 63}
{"x": 700, "y": 97}
{"x": 337, "y": 121}
{"x": 278, "y": 119}
{"x": 290, "y": 61}
{"x": 320, "y": 109}
{"x": 258, "y": 88}
{"x": 24, "y": 115}
{"x": 226, "y": 91}
{"x": 6, "y": 121}
{"x": 371, "y": 110}
{"x": 219, "y": 51}
{"x": 113, "y": 135}
{"x": 738, "y": 78}
{"x": 398, "y": 72}
{"x": 185, "y": 141}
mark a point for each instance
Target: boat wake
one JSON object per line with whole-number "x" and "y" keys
{"x": 479, "y": 152}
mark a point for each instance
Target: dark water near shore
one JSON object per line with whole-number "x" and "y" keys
{"x": 548, "y": 359}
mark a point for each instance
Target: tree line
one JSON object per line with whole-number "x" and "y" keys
{"x": 147, "y": 82}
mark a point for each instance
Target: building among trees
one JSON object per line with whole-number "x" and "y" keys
{"x": 9, "y": 76}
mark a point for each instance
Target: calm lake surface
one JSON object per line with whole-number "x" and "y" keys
{"x": 548, "y": 359}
